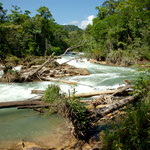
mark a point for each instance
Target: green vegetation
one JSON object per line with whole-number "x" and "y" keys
{"x": 71, "y": 109}
{"x": 71, "y": 28}
{"x": 120, "y": 33}
{"x": 121, "y": 27}
{"x": 53, "y": 96}
{"x": 22, "y": 35}
{"x": 52, "y": 93}
{"x": 134, "y": 130}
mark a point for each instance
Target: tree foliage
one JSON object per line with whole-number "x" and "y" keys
{"x": 122, "y": 25}
{"x": 22, "y": 35}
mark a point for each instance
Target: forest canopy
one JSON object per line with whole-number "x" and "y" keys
{"x": 119, "y": 34}
{"x": 22, "y": 35}
{"x": 121, "y": 30}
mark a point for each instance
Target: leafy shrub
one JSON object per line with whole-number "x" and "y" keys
{"x": 134, "y": 130}
{"x": 52, "y": 93}
{"x": 98, "y": 54}
{"x": 55, "y": 50}
{"x": 122, "y": 57}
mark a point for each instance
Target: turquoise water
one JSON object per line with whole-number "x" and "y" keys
{"x": 28, "y": 125}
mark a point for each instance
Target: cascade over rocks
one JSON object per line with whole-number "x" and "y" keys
{"x": 34, "y": 70}
{"x": 52, "y": 69}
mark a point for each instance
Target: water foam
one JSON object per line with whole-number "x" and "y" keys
{"x": 102, "y": 77}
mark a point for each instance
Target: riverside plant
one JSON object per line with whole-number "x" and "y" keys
{"x": 71, "y": 109}
{"x": 134, "y": 130}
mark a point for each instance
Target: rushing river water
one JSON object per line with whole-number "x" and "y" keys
{"x": 17, "y": 125}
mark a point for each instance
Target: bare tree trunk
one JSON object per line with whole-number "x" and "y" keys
{"x": 113, "y": 92}
{"x": 57, "y": 80}
{"x": 29, "y": 102}
{"x": 34, "y": 106}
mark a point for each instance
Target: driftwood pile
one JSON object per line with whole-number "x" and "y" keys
{"x": 47, "y": 71}
{"x": 107, "y": 102}
{"x": 50, "y": 72}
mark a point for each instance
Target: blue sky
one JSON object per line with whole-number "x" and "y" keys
{"x": 77, "y": 12}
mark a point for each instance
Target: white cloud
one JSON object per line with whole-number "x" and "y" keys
{"x": 84, "y": 23}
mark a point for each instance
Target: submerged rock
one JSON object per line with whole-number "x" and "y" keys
{"x": 29, "y": 146}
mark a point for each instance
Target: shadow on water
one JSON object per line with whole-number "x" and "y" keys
{"x": 94, "y": 132}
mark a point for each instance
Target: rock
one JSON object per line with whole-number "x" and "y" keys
{"x": 77, "y": 71}
{"x": 97, "y": 62}
{"x": 29, "y": 146}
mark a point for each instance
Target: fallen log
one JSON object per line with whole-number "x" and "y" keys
{"x": 51, "y": 58}
{"x": 114, "y": 92}
{"x": 37, "y": 92}
{"x": 34, "y": 106}
{"x": 99, "y": 113}
{"x": 90, "y": 106}
{"x": 122, "y": 89}
{"x": 90, "y": 94}
{"x": 28, "y": 102}
{"x": 57, "y": 80}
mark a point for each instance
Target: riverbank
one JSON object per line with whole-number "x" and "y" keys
{"x": 140, "y": 64}
{"x": 101, "y": 77}
{"x": 33, "y": 70}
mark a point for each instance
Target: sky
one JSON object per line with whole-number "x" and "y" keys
{"x": 76, "y": 12}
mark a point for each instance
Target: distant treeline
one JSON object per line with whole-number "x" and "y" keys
{"x": 22, "y": 35}
{"x": 71, "y": 28}
{"x": 119, "y": 34}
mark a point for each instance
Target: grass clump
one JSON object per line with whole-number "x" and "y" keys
{"x": 53, "y": 96}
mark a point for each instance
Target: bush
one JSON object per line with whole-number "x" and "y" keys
{"x": 52, "y": 93}
{"x": 122, "y": 57}
{"x": 134, "y": 130}
{"x": 98, "y": 54}
{"x": 55, "y": 50}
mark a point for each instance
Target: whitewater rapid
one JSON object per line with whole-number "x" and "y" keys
{"x": 101, "y": 77}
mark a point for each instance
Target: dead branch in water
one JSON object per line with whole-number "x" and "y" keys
{"x": 98, "y": 113}
{"x": 57, "y": 80}
{"x": 28, "y": 102}
{"x": 81, "y": 128}
{"x": 113, "y": 92}
{"x": 51, "y": 58}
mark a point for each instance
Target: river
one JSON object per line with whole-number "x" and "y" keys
{"x": 17, "y": 125}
